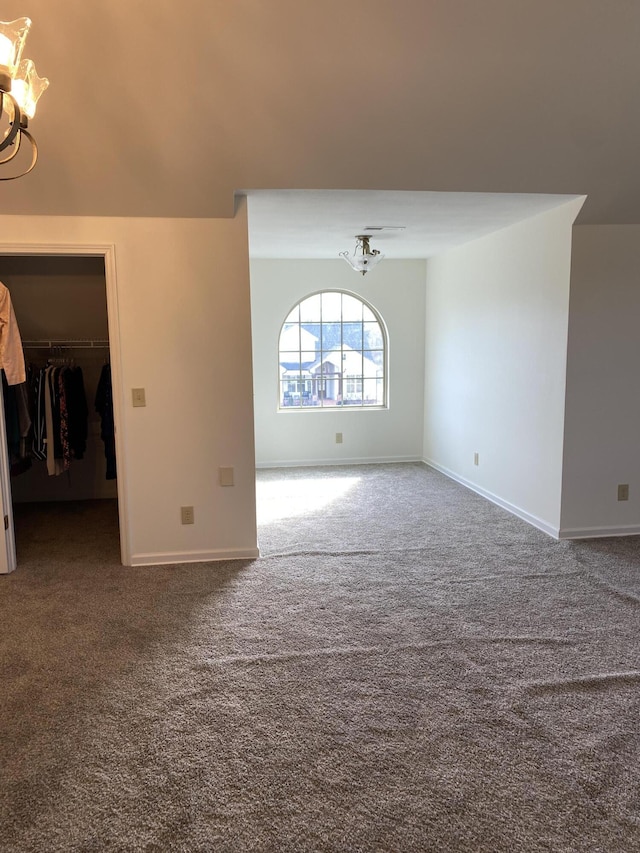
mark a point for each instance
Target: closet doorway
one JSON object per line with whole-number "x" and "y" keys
{"x": 60, "y": 302}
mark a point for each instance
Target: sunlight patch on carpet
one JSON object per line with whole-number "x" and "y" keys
{"x": 282, "y": 499}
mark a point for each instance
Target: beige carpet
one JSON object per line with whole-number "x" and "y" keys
{"x": 407, "y": 668}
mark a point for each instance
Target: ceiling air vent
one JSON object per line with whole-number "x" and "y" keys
{"x": 384, "y": 227}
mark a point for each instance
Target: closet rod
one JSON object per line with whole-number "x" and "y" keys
{"x": 76, "y": 344}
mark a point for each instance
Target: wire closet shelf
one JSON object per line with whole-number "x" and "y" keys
{"x": 67, "y": 344}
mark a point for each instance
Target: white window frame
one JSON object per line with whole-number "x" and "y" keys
{"x": 326, "y": 379}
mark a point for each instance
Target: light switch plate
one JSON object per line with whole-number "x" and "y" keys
{"x": 623, "y": 492}
{"x": 138, "y": 397}
{"x": 225, "y": 476}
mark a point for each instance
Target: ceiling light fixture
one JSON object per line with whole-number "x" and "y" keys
{"x": 364, "y": 257}
{"x": 20, "y": 88}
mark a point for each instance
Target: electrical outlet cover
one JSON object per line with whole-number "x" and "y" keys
{"x": 187, "y": 515}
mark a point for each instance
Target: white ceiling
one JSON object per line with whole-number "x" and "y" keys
{"x": 158, "y": 109}
{"x": 322, "y": 223}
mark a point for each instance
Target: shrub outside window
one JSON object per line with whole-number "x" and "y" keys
{"x": 332, "y": 352}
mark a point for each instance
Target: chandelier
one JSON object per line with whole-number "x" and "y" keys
{"x": 364, "y": 257}
{"x": 20, "y": 88}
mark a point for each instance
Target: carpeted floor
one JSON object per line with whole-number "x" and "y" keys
{"x": 407, "y": 668}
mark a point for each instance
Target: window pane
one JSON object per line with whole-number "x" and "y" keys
{"x": 289, "y": 397}
{"x": 308, "y": 341}
{"x": 310, "y": 309}
{"x": 352, "y": 335}
{"x": 290, "y": 361}
{"x": 331, "y": 364}
{"x": 352, "y": 391}
{"x": 351, "y": 308}
{"x": 331, "y": 336}
{"x": 377, "y": 358}
{"x": 367, "y": 313}
{"x": 307, "y": 357}
{"x": 373, "y": 336}
{"x": 290, "y": 337}
{"x": 352, "y": 363}
{"x": 294, "y": 316}
{"x": 331, "y": 307}
{"x": 372, "y": 392}
{"x": 310, "y": 336}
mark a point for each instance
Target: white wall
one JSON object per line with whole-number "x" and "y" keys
{"x": 602, "y": 429}
{"x": 184, "y": 322}
{"x": 496, "y": 338}
{"x": 396, "y": 290}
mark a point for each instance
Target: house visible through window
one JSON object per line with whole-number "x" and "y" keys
{"x": 332, "y": 353}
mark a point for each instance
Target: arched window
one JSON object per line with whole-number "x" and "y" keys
{"x": 332, "y": 352}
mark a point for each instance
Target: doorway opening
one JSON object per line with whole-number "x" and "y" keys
{"x": 61, "y": 304}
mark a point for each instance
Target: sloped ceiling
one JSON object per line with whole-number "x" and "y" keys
{"x": 164, "y": 109}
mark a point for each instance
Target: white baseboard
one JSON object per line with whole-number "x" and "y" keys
{"x": 542, "y": 525}
{"x": 353, "y": 460}
{"x": 598, "y": 532}
{"x": 195, "y": 557}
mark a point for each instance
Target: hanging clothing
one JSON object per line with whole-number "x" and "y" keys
{"x": 77, "y": 411}
{"x": 52, "y": 420}
{"x": 18, "y": 425}
{"x": 37, "y": 387}
{"x": 11, "y": 354}
{"x": 59, "y": 414}
{"x": 104, "y": 406}
{"x": 14, "y": 377}
{"x": 64, "y": 422}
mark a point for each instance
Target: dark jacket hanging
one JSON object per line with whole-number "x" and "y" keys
{"x": 78, "y": 411}
{"x": 104, "y": 406}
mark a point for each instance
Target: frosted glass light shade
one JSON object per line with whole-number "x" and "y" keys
{"x": 27, "y": 87}
{"x": 362, "y": 263}
{"x": 364, "y": 257}
{"x": 13, "y": 35}
{"x": 20, "y": 88}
